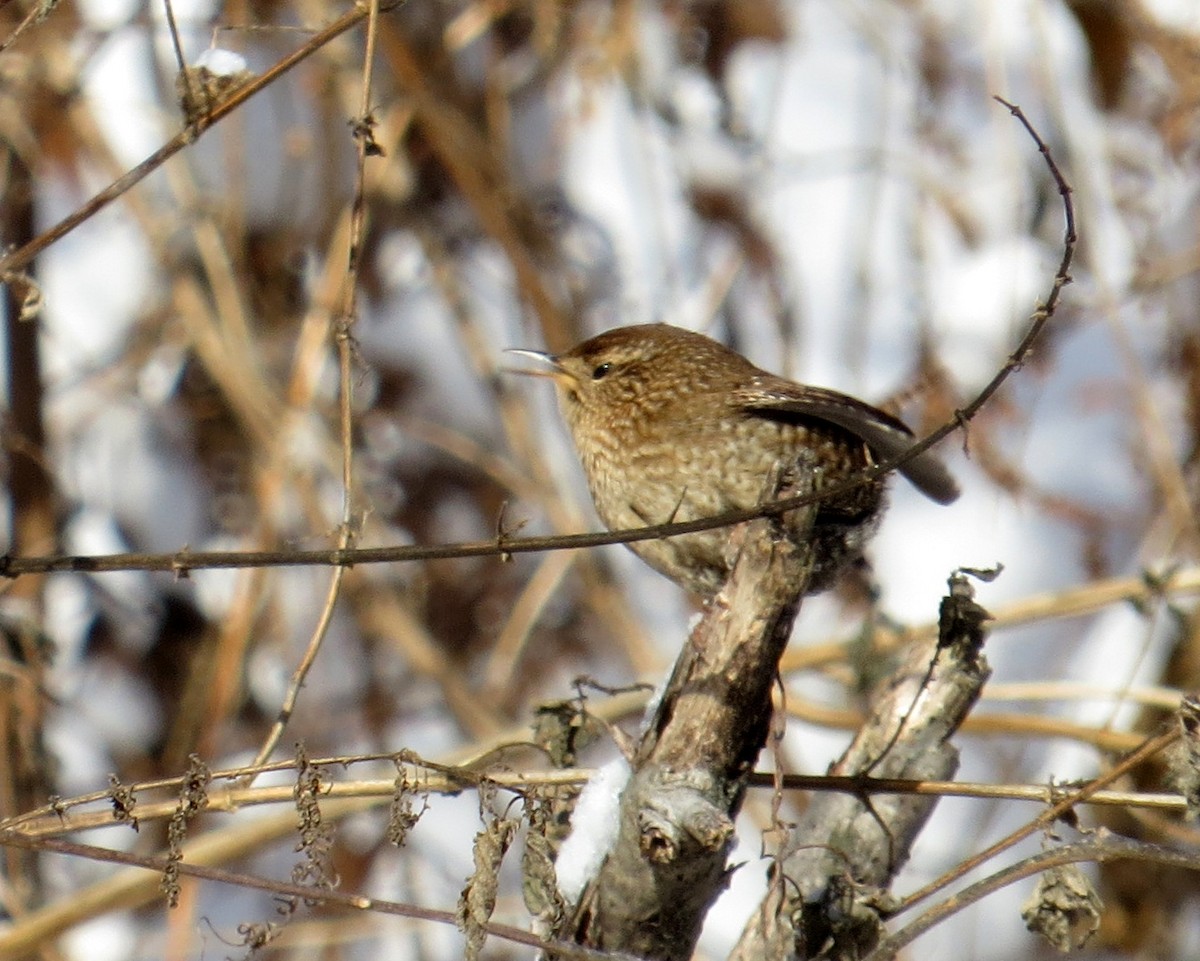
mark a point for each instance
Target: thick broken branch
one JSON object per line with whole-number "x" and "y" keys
{"x": 827, "y": 896}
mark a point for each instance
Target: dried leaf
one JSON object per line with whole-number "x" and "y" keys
{"x": 123, "y": 802}
{"x": 402, "y": 814}
{"x": 316, "y": 841}
{"x": 193, "y": 798}
{"x": 539, "y": 880}
{"x": 478, "y": 899}
{"x": 1064, "y": 908}
{"x": 1183, "y": 760}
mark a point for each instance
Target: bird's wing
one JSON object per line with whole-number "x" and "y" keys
{"x": 887, "y": 436}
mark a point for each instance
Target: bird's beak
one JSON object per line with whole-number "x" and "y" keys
{"x": 550, "y": 366}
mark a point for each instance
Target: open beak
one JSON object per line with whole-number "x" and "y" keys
{"x": 550, "y": 366}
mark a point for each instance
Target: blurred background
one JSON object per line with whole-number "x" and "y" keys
{"x": 826, "y": 186}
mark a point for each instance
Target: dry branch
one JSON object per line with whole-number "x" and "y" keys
{"x": 824, "y": 899}
{"x": 690, "y": 768}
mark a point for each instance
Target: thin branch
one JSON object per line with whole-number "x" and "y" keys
{"x": 187, "y": 91}
{"x": 1149, "y": 749}
{"x": 306, "y": 893}
{"x": 185, "y": 561}
{"x": 366, "y": 146}
{"x": 306, "y": 662}
{"x": 38, "y": 11}
{"x": 61, "y": 819}
{"x": 19, "y": 258}
{"x": 1100, "y": 848}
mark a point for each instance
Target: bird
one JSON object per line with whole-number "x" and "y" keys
{"x": 671, "y": 425}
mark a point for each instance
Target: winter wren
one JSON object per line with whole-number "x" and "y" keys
{"x": 673, "y": 426}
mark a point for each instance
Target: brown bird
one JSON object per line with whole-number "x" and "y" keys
{"x": 672, "y": 426}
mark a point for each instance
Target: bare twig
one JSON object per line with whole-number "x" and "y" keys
{"x": 38, "y": 12}
{"x": 63, "y": 818}
{"x": 342, "y": 326}
{"x": 1101, "y": 847}
{"x": 30, "y": 934}
{"x": 1148, "y": 749}
{"x": 188, "y": 135}
{"x": 183, "y": 562}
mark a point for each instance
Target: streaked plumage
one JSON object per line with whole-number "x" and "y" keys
{"x": 671, "y": 425}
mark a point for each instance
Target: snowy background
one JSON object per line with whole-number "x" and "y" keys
{"x": 827, "y": 186}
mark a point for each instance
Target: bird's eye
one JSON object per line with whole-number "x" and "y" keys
{"x": 601, "y": 371}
